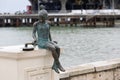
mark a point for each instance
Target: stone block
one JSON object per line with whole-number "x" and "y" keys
{"x": 105, "y": 65}
{"x": 26, "y": 65}
{"x": 81, "y": 77}
{"x": 104, "y": 75}
{"x": 117, "y": 74}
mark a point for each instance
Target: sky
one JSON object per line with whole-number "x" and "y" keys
{"x": 12, "y": 6}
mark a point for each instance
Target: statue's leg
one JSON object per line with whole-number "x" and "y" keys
{"x": 54, "y": 64}
{"x": 55, "y": 67}
{"x": 55, "y": 53}
{"x": 51, "y": 47}
{"x": 59, "y": 66}
{"x": 58, "y": 52}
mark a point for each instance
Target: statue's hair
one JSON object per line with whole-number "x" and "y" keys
{"x": 42, "y": 7}
{"x": 43, "y": 13}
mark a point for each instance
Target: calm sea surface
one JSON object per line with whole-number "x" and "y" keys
{"x": 79, "y": 45}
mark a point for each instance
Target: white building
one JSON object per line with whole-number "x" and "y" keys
{"x": 67, "y": 5}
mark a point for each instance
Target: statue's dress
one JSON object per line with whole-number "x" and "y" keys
{"x": 43, "y": 32}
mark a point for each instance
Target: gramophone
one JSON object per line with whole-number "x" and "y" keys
{"x": 31, "y": 48}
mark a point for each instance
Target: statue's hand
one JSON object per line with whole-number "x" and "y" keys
{"x": 34, "y": 42}
{"x": 55, "y": 42}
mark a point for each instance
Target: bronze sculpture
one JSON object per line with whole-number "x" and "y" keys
{"x": 44, "y": 40}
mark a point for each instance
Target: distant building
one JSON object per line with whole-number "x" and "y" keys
{"x": 67, "y": 5}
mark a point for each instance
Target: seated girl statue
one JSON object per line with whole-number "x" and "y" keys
{"x": 44, "y": 40}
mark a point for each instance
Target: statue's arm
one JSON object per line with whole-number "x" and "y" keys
{"x": 34, "y": 31}
{"x": 50, "y": 35}
{"x": 50, "y": 22}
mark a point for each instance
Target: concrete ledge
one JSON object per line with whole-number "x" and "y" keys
{"x": 94, "y": 67}
{"x": 77, "y": 70}
{"x": 36, "y": 65}
{"x": 106, "y": 65}
{"x": 15, "y": 52}
{"x": 26, "y": 65}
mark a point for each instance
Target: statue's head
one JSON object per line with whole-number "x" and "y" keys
{"x": 43, "y": 14}
{"x": 42, "y": 7}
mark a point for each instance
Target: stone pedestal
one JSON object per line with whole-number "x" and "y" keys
{"x": 16, "y": 64}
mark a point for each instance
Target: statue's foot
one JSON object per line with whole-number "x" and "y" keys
{"x": 61, "y": 68}
{"x": 55, "y": 69}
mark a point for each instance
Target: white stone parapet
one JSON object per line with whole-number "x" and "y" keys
{"x": 101, "y": 70}
{"x": 16, "y": 64}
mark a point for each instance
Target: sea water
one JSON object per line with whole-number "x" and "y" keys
{"x": 79, "y": 45}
